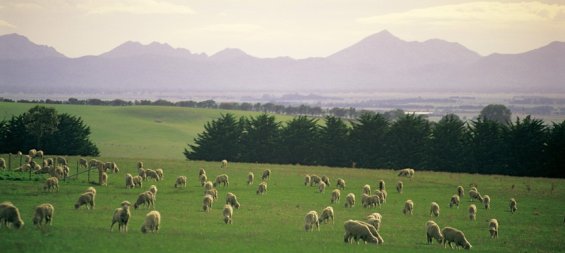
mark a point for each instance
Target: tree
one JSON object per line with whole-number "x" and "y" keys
{"x": 447, "y": 147}
{"x": 41, "y": 121}
{"x": 408, "y": 140}
{"x": 71, "y": 138}
{"x": 220, "y": 140}
{"x": 368, "y": 140}
{"x": 334, "y": 143}
{"x": 497, "y": 113}
{"x": 555, "y": 150}
{"x": 486, "y": 144}
{"x": 299, "y": 141}
{"x": 259, "y": 140}
{"x": 526, "y": 140}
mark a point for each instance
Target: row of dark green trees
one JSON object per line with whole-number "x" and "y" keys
{"x": 44, "y": 129}
{"x": 523, "y": 147}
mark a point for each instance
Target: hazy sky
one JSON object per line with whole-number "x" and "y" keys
{"x": 268, "y": 28}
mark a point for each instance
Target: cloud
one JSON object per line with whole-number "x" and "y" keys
{"x": 134, "y": 7}
{"x": 5, "y": 24}
{"x": 231, "y": 28}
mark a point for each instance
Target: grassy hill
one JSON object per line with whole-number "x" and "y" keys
{"x": 274, "y": 222}
{"x": 137, "y": 131}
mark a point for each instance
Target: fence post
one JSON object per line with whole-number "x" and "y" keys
{"x": 77, "y": 171}
{"x": 9, "y": 161}
{"x": 88, "y": 175}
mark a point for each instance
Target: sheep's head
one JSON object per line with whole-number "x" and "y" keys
{"x": 19, "y": 223}
{"x": 143, "y": 229}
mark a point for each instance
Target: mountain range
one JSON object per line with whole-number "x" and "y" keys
{"x": 380, "y": 62}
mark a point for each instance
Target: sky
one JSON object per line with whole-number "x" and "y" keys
{"x": 272, "y": 28}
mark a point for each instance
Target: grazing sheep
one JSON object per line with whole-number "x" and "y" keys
{"x": 159, "y": 172}
{"x": 250, "y": 177}
{"x": 231, "y": 199}
{"x": 381, "y": 185}
{"x": 152, "y": 174}
{"x": 87, "y": 199}
{"x": 454, "y": 201}
{"x": 2, "y": 163}
{"x": 92, "y": 190}
{"x": 52, "y": 183}
{"x": 137, "y": 181}
{"x": 129, "y": 181}
{"x": 474, "y": 194}
{"x": 43, "y": 212}
{"x": 32, "y": 153}
{"x": 222, "y": 179}
{"x": 10, "y": 214}
{"x": 472, "y": 212}
{"x": 310, "y": 220}
{"x": 212, "y": 192}
{"x": 139, "y": 164}
{"x": 460, "y": 191}
{"x": 327, "y": 214}
{"x": 350, "y": 200}
{"x": 266, "y": 175}
{"x": 142, "y": 173}
{"x": 375, "y": 219}
{"x": 61, "y": 160}
{"x": 357, "y": 230}
{"x": 373, "y": 231}
{"x": 104, "y": 179}
{"x": 513, "y": 205}
{"x": 208, "y": 185}
{"x": 493, "y": 228}
{"x": 201, "y": 172}
{"x": 406, "y": 173}
{"x": 228, "y": 214}
{"x": 39, "y": 154}
{"x": 145, "y": 198}
{"x": 111, "y": 166}
{"x": 335, "y": 196}
{"x": 434, "y": 209}
{"x": 121, "y": 216}
{"x": 326, "y": 180}
{"x": 367, "y": 189}
{"x": 93, "y": 163}
{"x": 83, "y": 163}
{"x": 262, "y": 189}
{"x": 321, "y": 187}
{"x": 454, "y": 235}
{"x": 382, "y": 195}
{"x": 486, "y": 201}
{"x": 314, "y": 180}
{"x": 399, "y": 186}
{"x": 224, "y": 164}
{"x": 433, "y": 231}
{"x": 181, "y": 181}
{"x": 340, "y": 183}
{"x": 408, "y": 207}
{"x": 203, "y": 179}
{"x": 153, "y": 189}
{"x": 370, "y": 200}
{"x": 152, "y": 222}
{"x": 207, "y": 202}
{"x": 307, "y": 180}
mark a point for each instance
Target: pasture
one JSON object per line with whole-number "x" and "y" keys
{"x": 274, "y": 222}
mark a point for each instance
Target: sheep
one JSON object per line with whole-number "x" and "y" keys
{"x": 266, "y": 175}
{"x": 141, "y": 172}
{"x": 152, "y": 174}
{"x": 24, "y": 168}
{"x": 399, "y": 186}
{"x": 375, "y": 219}
{"x": 360, "y": 230}
{"x": 307, "y": 180}
{"x": 381, "y": 185}
{"x": 350, "y": 200}
{"x": 121, "y": 216}
{"x": 231, "y": 199}
{"x": 373, "y": 231}
{"x": 472, "y": 212}
{"x": 208, "y": 185}
{"x": 433, "y": 231}
{"x": 314, "y": 180}
{"x": 111, "y": 166}
{"x": 382, "y": 195}
{"x": 460, "y": 191}
{"x": 513, "y": 205}
{"x": 493, "y": 228}
{"x": 145, "y": 198}
{"x": 129, "y": 181}
{"x": 83, "y": 163}
{"x": 2, "y": 163}
{"x": 408, "y": 207}
{"x": 92, "y": 190}
{"x": 486, "y": 201}
{"x": 137, "y": 181}
{"x": 201, "y": 172}
{"x": 43, "y": 212}
{"x": 454, "y": 235}
{"x": 153, "y": 189}
{"x": 370, "y": 200}
{"x": 228, "y": 214}
{"x": 104, "y": 179}
{"x": 367, "y": 189}
{"x": 474, "y": 194}
{"x": 250, "y": 177}
{"x": 340, "y": 183}
{"x": 222, "y": 179}
{"x": 207, "y": 202}
{"x": 454, "y": 201}
{"x": 86, "y": 199}
{"x": 321, "y": 187}
{"x": 66, "y": 170}
{"x": 61, "y": 160}
{"x": 203, "y": 179}
{"x": 212, "y": 192}
{"x": 327, "y": 214}
{"x": 224, "y": 164}
{"x": 434, "y": 209}
{"x": 262, "y": 189}
{"x": 10, "y": 214}
{"x": 406, "y": 173}
{"x": 181, "y": 181}
{"x": 52, "y": 183}
{"x": 152, "y": 222}
{"x": 39, "y": 154}
{"x": 93, "y": 163}
{"x": 57, "y": 171}
{"x": 139, "y": 164}
{"x": 159, "y": 172}
{"x": 326, "y": 180}
{"x": 335, "y": 196}
{"x": 310, "y": 220}
{"x": 32, "y": 153}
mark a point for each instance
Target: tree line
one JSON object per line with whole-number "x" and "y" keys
{"x": 491, "y": 144}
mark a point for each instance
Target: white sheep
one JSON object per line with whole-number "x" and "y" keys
{"x": 370, "y": 200}
{"x": 357, "y": 230}
{"x": 201, "y": 172}
{"x": 493, "y": 228}
{"x": 454, "y": 201}
{"x": 111, "y": 166}
{"x": 137, "y": 181}
{"x": 139, "y": 164}
{"x": 203, "y": 179}
{"x": 381, "y": 185}
{"x": 434, "y": 209}
{"x": 513, "y": 205}
{"x": 408, "y": 207}
{"x": 56, "y": 171}
{"x": 250, "y": 177}
{"x": 314, "y": 180}
{"x": 367, "y": 189}
{"x": 61, "y": 160}
{"x": 83, "y": 163}
{"x": 28, "y": 159}
{"x": 266, "y": 175}
{"x": 129, "y": 181}
{"x": 121, "y": 216}
{"x": 2, "y": 163}
{"x": 10, "y": 214}
{"x": 327, "y": 214}
{"x": 310, "y": 220}
{"x": 336, "y": 193}
{"x": 224, "y": 164}
{"x": 326, "y": 180}
{"x": 152, "y": 222}
{"x": 433, "y": 231}
{"x": 472, "y": 212}
{"x": 208, "y": 185}
{"x": 207, "y": 202}
{"x": 159, "y": 172}
{"x": 307, "y": 180}
{"x": 43, "y": 212}
{"x": 374, "y": 231}
{"x": 399, "y": 186}
{"x": 39, "y": 154}
{"x": 145, "y": 198}
{"x": 222, "y": 179}
{"x": 153, "y": 189}
{"x": 375, "y": 219}
{"x": 460, "y": 191}
{"x": 32, "y": 152}
{"x": 181, "y": 181}
{"x": 321, "y": 187}
{"x": 91, "y": 190}
{"x": 87, "y": 199}
{"x": 406, "y": 173}
{"x": 231, "y": 199}
{"x": 152, "y": 174}
{"x": 474, "y": 194}
{"x": 104, "y": 179}
{"x": 340, "y": 183}
{"x": 228, "y": 214}
{"x": 262, "y": 189}
{"x": 212, "y": 192}
{"x": 52, "y": 183}
{"x": 452, "y": 235}
{"x": 382, "y": 195}
{"x": 350, "y": 200}
{"x": 486, "y": 201}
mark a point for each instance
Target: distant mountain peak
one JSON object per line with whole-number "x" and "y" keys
{"x": 15, "y": 46}
{"x": 134, "y": 48}
{"x": 230, "y": 54}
